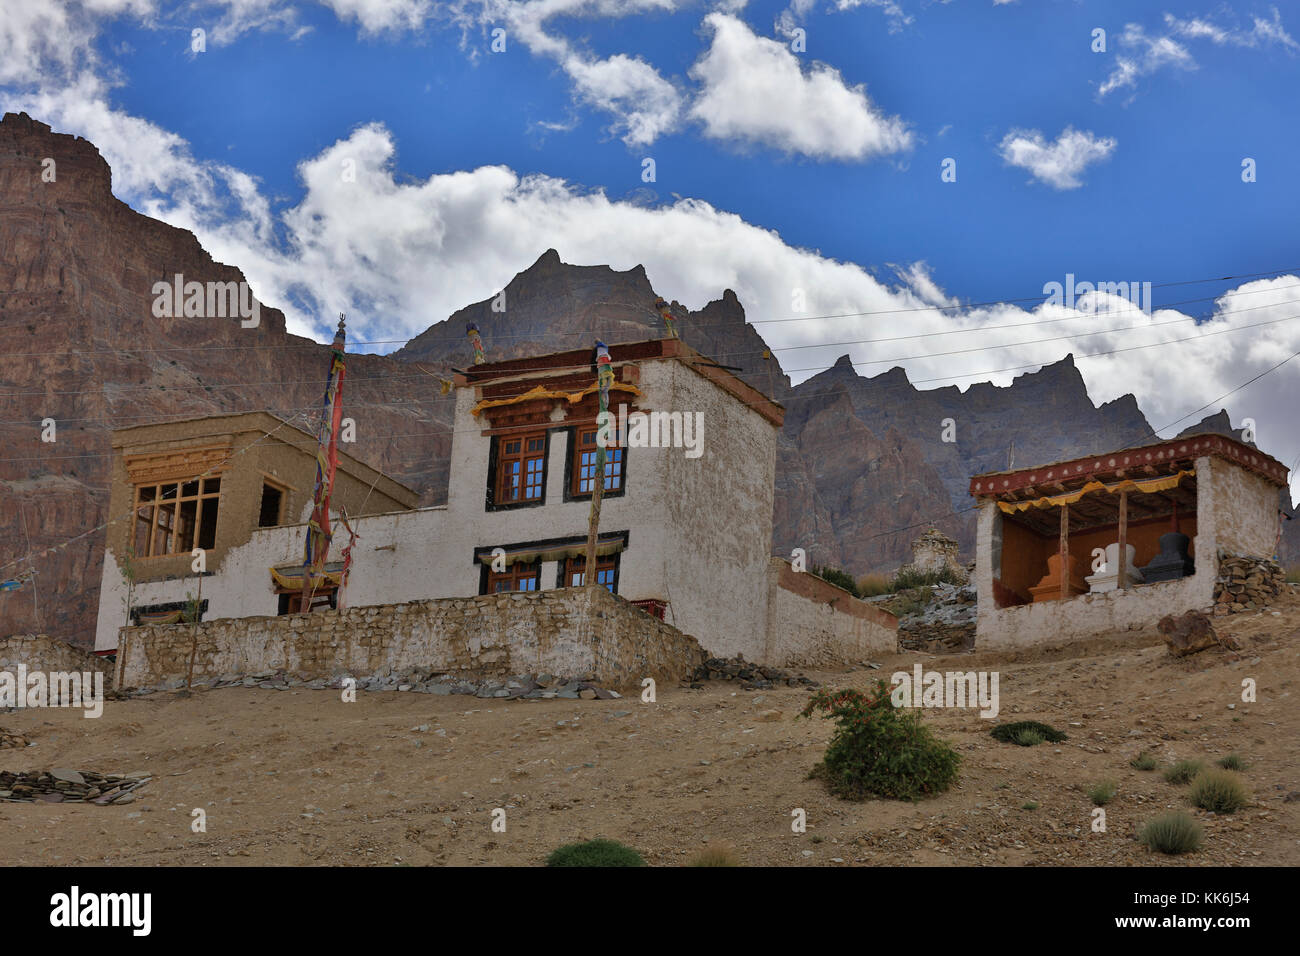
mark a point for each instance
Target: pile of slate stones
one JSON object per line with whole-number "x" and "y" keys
{"x": 70, "y": 786}
{"x": 751, "y": 676}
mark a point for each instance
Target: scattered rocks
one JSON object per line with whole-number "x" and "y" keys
{"x": 1192, "y": 633}
{"x": 751, "y": 676}
{"x": 1246, "y": 583}
{"x": 12, "y": 739}
{"x": 70, "y": 786}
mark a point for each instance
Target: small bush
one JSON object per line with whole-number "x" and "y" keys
{"x": 595, "y": 853}
{"x": 1219, "y": 791}
{"x": 1173, "y": 833}
{"x": 873, "y": 585}
{"x": 911, "y": 578}
{"x": 909, "y": 602}
{"x": 715, "y": 854}
{"x": 1103, "y": 793}
{"x": 1232, "y": 762}
{"x": 1183, "y": 771}
{"x": 1143, "y": 761}
{"x": 841, "y": 579}
{"x": 1007, "y": 733}
{"x": 1029, "y": 805}
{"x": 878, "y": 749}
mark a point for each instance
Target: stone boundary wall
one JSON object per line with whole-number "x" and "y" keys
{"x": 811, "y": 622}
{"x": 39, "y": 652}
{"x": 575, "y": 632}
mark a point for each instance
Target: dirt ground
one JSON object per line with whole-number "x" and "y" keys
{"x": 301, "y": 777}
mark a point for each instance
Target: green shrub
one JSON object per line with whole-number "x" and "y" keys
{"x": 911, "y": 578}
{"x": 1232, "y": 762}
{"x": 908, "y": 602}
{"x": 595, "y": 853}
{"x": 1028, "y": 737}
{"x": 878, "y": 749}
{"x": 1008, "y": 733}
{"x": 1219, "y": 791}
{"x": 1183, "y": 771}
{"x": 1029, "y": 805}
{"x": 841, "y": 579}
{"x": 1103, "y": 793}
{"x": 1143, "y": 761}
{"x": 1173, "y": 833}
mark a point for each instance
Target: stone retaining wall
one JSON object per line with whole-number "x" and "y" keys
{"x": 575, "y": 632}
{"x": 38, "y": 652}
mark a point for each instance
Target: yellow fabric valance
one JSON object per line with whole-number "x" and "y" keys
{"x": 291, "y": 578}
{"x": 543, "y": 392}
{"x": 1148, "y": 485}
{"x": 555, "y": 552}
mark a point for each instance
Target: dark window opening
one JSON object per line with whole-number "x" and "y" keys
{"x": 272, "y": 500}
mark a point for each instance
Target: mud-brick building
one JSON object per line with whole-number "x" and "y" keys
{"x": 685, "y": 524}
{"x": 1115, "y": 542}
{"x": 211, "y": 483}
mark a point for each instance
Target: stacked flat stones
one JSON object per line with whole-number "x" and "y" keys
{"x": 1245, "y": 583}
{"x": 12, "y": 739}
{"x": 70, "y": 786}
{"x": 946, "y": 624}
{"x": 751, "y": 676}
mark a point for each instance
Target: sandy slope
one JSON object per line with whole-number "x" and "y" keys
{"x": 300, "y": 777}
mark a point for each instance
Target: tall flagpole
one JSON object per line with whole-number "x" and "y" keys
{"x": 604, "y": 378}
{"x": 318, "y": 528}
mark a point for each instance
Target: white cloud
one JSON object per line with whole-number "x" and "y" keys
{"x": 1059, "y": 163}
{"x": 644, "y": 105}
{"x": 755, "y": 91}
{"x": 1143, "y": 54}
{"x": 399, "y": 254}
{"x": 894, "y": 12}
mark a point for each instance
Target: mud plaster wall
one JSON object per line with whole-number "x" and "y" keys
{"x": 812, "y": 622}
{"x": 571, "y": 632}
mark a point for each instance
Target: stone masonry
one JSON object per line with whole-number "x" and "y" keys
{"x": 580, "y": 633}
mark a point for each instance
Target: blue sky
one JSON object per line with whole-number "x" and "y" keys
{"x": 960, "y": 75}
{"x": 806, "y": 179}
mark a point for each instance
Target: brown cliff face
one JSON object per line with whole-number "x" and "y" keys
{"x": 79, "y": 343}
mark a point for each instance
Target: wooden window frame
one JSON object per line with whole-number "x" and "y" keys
{"x": 200, "y": 498}
{"x": 513, "y": 574}
{"x": 498, "y": 461}
{"x": 573, "y": 466}
{"x": 571, "y": 566}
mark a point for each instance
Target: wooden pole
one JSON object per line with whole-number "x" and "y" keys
{"x": 1123, "y": 540}
{"x": 1065, "y": 552}
{"x": 604, "y": 378}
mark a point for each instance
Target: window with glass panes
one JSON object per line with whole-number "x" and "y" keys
{"x": 575, "y": 572}
{"x": 584, "y": 464}
{"x": 517, "y": 577}
{"x": 521, "y": 468}
{"x": 176, "y": 517}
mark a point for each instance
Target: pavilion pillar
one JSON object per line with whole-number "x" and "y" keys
{"x": 1123, "y": 540}
{"x": 1065, "y": 552}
